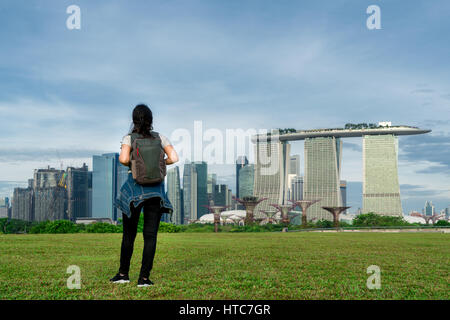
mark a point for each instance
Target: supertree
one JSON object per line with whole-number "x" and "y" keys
{"x": 216, "y": 210}
{"x": 236, "y": 220}
{"x": 250, "y": 203}
{"x": 305, "y": 204}
{"x": 259, "y": 220}
{"x": 284, "y": 211}
{"x": 225, "y": 215}
{"x": 435, "y": 217}
{"x": 270, "y": 216}
{"x": 189, "y": 221}
{"x": 335, "y": 211}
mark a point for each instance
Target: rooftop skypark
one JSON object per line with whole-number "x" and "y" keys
{"x": 350, "y": 130}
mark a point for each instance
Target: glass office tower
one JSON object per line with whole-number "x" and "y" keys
{"x": 77, "y": 192}
{"x": 189, "y": 192}
{"x": 294, "y": 167}
{"x": 246, "y": 181}
{"x": 241, "y": 162}
{"x": 108, "y": 175}
{"x": 174, "y": 194}
{"x": 202, "y": 187}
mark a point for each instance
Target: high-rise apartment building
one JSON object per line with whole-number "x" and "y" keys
{"x": 322, "y": 175}
{"x": 50, "y": 203}
{"x": 23, "y": 204}
{"x": 381, "y": 189}
{"x": 50, "y": 195}
{"x": 271, "y": 173}
{"x": 46, "y": 178}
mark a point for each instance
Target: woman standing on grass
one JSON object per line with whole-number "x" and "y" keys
{"x": 134, "y": 197}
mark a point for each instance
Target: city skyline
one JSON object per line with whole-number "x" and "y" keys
{"x": 65, "y": 176}
{"x": 256, "y": 64}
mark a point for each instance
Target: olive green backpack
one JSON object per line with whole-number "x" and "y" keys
{"x": 148, "y": 165}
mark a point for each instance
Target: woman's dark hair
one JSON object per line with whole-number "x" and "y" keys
{"x": 142, "y": 120}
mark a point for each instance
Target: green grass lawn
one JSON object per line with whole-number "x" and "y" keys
{"x": 230, "y": 266}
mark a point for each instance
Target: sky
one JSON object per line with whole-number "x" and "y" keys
{"x": 68, "y": 94}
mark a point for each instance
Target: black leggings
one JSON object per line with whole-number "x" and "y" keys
{"x": 152, "y": 217}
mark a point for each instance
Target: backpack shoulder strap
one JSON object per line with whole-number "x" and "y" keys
{"x": 155, "y": 134}
{"x": 133, "y": 137}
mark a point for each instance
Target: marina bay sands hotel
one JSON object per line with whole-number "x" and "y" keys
{"x": 322, "y": 167}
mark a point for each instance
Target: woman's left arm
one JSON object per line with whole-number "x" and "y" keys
{"x": 124, "y": 157}
{"x": 172, "y": 155}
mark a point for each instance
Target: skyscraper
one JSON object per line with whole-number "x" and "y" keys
{"x": 322, "y": 175}
{"x": 212, "y": 181}
{"x": 174, "y": 194}
{"x": 296, "y": 189}
{"x": 77, "y": 192}
{"x": 46, "y": 178}
{"x": 429, "y": 209}
{"x": 229, "y": 199}
{"x": 241, "y": 162}
{"x": 294, "y": 166}
{"x": 108, "y": 175}
{"x": 50, "y": 203}
{"x": 4, "y": 207}
{"x": 344, "y": 192}
{"x": 189, "y": 191}
{"x": 271, "y": 172}
{"x": 89, "y": 194}
{"x": 50, "y": 195}
{"x": 22, "y": 204}
{"x": 246, "y": 181}
{"x": 381, "y": 189}
{"x": 202, "y": 187}
{"x": 222, "y": 195}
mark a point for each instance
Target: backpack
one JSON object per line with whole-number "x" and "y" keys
{"x": 148, "y": 165}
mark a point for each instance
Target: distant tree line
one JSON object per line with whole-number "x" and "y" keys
{"x": 9, "y": 226}
{"x": 66, "y": 226}
{"x": 361, "y": 126}
{"x": 286, "y": 130}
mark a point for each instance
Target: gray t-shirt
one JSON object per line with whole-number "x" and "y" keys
{"x": 164, "y": 140}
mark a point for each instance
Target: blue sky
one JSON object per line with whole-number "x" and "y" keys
{"x": 68, "y": 94}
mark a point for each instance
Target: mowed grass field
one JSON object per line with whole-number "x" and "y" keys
{"x": 231, "y": 266}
